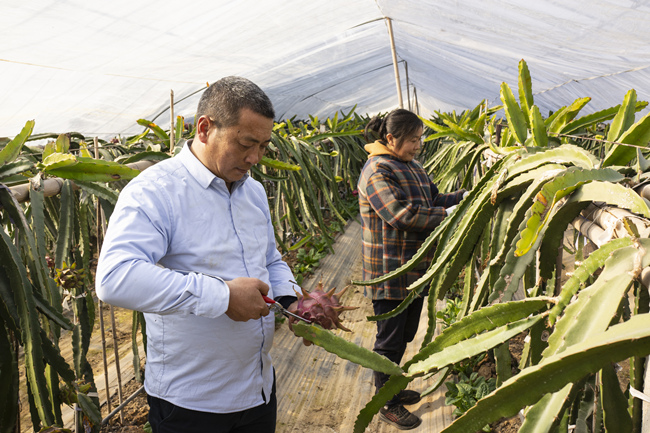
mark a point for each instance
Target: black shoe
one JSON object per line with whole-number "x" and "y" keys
{"x": 407, "y": 396}
{"x": 399, "y": 417}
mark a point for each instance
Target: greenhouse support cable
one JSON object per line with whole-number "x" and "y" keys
{"x": 91, "y": 72}
{"x": 640, "y": 68}
{"x": 600, "y": 208}
{"x": 368, "y": 22}
{"x": 600, "y": 140}
{"x": 348, "y": 79}
{"x": 181, "y": 100}
{"x": 52, "y": 186}
{"x": 74, "y": 151}
{"x": 339, "y": 82}
{"x": 577, "y": 80}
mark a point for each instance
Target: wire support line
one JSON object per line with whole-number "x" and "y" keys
{"x": 354, "y": 77}
{"x": 369, "y": 22}
{"x": 181, "y": 100}
{"x": 599, "y": 140}
{"x": 640, "y": 68}
{"x": 106, "y": 146}
{"x": 88, "y": 71}
{"x": 606, "y": 208}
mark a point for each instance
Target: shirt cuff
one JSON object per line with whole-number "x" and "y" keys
{"x": 214, "y": 298}
{"x": 285, "y": 301}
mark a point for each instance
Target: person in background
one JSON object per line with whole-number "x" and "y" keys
{"x": 399, "y": 207}
{"x": 191, "y": 244}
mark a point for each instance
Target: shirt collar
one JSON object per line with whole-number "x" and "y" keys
{"x": 200, "y": 172}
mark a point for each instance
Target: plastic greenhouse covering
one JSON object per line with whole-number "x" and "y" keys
{"x": 96, "y": 67}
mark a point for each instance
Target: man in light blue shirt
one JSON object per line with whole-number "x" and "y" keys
{"x": 191, "y": 244}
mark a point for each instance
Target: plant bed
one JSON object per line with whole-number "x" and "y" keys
{"x": 482, "y": 374}
{"x": 506, "y": 425}
{"x": 512, "y": 424}
{"x": 135, "y": 413}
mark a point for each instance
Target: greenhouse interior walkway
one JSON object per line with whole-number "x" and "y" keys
{"x": 317, "y": 391}
{"x": 321, "y": 393}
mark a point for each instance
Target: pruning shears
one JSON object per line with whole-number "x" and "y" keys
{"x": 274, "y": 305}
{"x": 280, "y": 309}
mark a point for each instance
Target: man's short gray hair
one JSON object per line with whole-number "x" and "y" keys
{"x": 224, "y": 100}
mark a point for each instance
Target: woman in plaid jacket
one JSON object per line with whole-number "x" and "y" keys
{"x": 400, "y": 206}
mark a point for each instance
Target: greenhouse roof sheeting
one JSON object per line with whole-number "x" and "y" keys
{"x": 97, "y": 67}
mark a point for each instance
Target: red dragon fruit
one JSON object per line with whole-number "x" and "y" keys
{"x": 322, "y": 308}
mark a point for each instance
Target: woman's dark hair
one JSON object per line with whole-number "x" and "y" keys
{"x": 400, "y": 123}
{"x": 224, "y": 100}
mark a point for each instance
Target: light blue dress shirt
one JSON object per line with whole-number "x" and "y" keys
{"x": 178, "y": 216}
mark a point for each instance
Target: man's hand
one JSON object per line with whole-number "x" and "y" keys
{"x": 293, "y": 308}
{"x": 246, "y": 300}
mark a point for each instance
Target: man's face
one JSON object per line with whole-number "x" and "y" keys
{"x": 233, "y": 150}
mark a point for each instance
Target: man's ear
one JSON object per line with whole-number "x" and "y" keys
{"x": 202, "y": 128}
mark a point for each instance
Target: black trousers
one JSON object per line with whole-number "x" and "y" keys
{"x": 166, "y": 417}
{"x": 394, "y": 333}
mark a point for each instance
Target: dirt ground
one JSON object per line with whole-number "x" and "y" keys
{"x": 123, "y": 323}
{"x": 134, "y": 415}
{"x": 510, "y": 425}
{"x": 321, "y": 418}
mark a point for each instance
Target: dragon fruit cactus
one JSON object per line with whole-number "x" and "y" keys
{"x": 322, "y": 308}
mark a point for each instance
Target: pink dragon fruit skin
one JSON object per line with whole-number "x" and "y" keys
{"x": 322, "y": 308}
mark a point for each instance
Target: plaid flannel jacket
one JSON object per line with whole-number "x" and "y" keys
{"x": 399, "y": 206}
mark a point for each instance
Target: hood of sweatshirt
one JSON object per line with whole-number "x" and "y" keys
{"x": 378, "y": 148}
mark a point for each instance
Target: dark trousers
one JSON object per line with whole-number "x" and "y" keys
{"x": 166, "y": 417}
{"x": 394, "y": 333}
